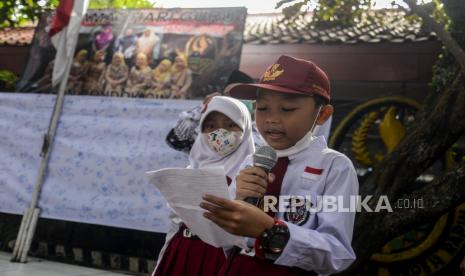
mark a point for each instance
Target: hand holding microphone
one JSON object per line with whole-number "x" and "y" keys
{"x": 252, "y": 182}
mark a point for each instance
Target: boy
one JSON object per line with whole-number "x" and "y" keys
{"x": 291, "y": 98}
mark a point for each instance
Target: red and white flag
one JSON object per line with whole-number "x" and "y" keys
{"x": 64, "y": 33}
{"x": 312, "y": 173}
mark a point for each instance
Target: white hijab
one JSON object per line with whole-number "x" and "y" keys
{"x": 201, "y": 155}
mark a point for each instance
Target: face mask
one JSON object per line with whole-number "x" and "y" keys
{"x": 223, "y": 141}
{"x": 302, "y": 143}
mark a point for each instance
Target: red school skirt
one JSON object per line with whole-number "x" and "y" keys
{"x": 186, "y": 256}
{"x": 238, "y": 265}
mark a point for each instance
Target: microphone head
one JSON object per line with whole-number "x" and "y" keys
{"x": 265, "y": 157}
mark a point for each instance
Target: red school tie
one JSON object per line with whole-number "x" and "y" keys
{"x": 273, "y": 189}
{"x": 279, "y": 170}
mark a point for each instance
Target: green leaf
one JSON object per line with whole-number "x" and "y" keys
{"x": 282, "y": 2}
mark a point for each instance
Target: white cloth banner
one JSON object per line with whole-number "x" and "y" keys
{"x": 102, "y": 150}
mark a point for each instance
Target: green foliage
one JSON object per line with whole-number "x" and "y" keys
{"x": 346, "y": 12}
{"x": 8, "y": 79}
{"x": 444, "y": 72}
{"x": 326, "y": 12}
{"x": 121, "y": 4}
{"x": 446, "y": 68}
{"x": 296, "y": 9}
{"x": 19, "y": 12}
{"x": 440, "y": 15}
{"x": 340, "y": 11}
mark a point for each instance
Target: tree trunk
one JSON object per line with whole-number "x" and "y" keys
{"x": 439, "y": 197}
{"x": 426, "y": 143}
{"x": 415, "y": 153}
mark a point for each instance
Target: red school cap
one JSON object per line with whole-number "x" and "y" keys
{"x": 287, "y": 75}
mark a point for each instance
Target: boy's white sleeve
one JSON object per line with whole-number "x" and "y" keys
{"x": 327, "y": 248}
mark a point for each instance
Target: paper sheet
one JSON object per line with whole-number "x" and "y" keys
{"x": 183, "y": 190}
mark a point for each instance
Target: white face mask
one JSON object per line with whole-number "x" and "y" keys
{"x": 303, "y": 142}
{"x": 223, "y": 141}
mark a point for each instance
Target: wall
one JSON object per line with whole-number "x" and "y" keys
{"x": 360, "y": 62}
{"x": 13, "y": 58}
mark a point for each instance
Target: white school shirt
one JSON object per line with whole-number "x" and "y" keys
{"x": 319, "y": 241}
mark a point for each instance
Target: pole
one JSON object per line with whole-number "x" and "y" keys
{"x": 28, "y": 224}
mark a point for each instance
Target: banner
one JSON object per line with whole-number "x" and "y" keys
{"x": 148, "y": 53}
{"x": 97, "y": 166}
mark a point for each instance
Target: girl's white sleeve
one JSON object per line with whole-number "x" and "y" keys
{"x": 175, "y": 222}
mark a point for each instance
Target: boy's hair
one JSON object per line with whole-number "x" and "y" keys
{"x": 238, "y": 76}
{"x": 320, "y": 101}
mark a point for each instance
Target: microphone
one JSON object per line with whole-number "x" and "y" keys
{"x": 265, "y": 158}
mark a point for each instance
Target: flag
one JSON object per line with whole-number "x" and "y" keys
{"x": 64, "y": 33}
{"x": 312, "y": 173}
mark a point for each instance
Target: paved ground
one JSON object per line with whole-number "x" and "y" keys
{"x": 40, "y": 267}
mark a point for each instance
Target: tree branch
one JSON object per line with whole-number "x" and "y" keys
{"x": 439, "y": 196}
{"x": 430, "y": 140}
{"x": 448, "y": 41}
{"x": 426, "y": 143}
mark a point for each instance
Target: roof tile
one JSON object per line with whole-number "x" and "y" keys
{"x": 393, "y": 28}
{"x": 16, "y": 36}
{"x": 271, "y": 29}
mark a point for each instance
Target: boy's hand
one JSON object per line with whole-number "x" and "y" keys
{"x": 236, "y": 217}
{"x": 252, "y": 182}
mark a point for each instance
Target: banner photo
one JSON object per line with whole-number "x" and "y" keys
{"x": 102, "y": 149}
{"x": 147, "y": 53}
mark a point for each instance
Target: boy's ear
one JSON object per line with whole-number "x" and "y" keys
{"x": 325, "y": 113}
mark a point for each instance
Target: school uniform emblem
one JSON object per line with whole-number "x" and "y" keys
{"x": 272, "y": 73}
{"x": 300, "y": 215}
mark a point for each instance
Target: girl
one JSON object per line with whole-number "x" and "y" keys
{"x": 226, "y": 140}
{"x": 139, "y": 77}
{"x": 77, "y": 73}
{"x": 116, "y": 75}
{"x": 160, "y": 80}
{"x": 94, "y": 79}
{"x": 181, "y": 78}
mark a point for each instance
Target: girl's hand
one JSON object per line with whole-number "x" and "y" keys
{"x": 209, "y": 97}
{"x": 236, "y": 217}
{"x": 252, "y": 182}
